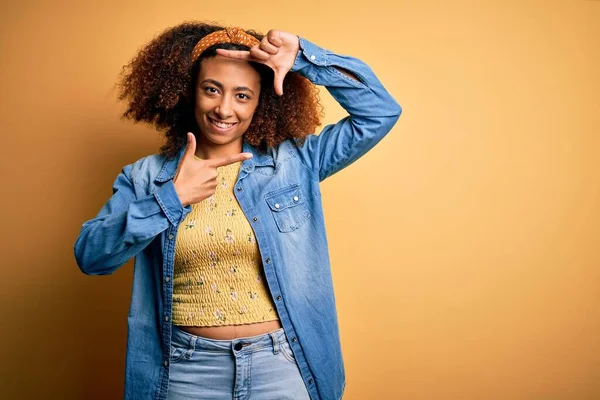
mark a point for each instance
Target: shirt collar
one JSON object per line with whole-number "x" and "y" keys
{"x": 259, "y": 158}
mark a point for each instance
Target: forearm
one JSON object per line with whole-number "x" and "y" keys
{"x": 125, "y": 225}
{"x": 347, "y": 73}
{"x": 349, "y": 80}
{"x": 372, "y": 110}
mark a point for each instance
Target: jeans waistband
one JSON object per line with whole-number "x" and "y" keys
{"x": 251, "y": 343}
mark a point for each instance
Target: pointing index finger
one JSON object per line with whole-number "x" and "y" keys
{"x": 226, "y": 160}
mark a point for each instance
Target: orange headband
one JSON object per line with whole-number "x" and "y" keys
{"x": 227, "y": 35}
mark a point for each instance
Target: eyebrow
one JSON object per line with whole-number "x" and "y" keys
{"x": 220, "y": 85}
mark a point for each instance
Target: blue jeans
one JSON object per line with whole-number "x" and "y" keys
{"x": 259, "y": 367}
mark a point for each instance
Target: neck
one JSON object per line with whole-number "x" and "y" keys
{"x": 209, "y": 150}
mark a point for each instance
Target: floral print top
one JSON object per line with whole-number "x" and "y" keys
{"x": 218, "y": 277}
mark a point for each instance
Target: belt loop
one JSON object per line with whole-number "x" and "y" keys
{"x": 275, "y": 343}
{"x": 191, "y": 346}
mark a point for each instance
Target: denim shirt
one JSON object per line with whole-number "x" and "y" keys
{"x": 279, "y": 193}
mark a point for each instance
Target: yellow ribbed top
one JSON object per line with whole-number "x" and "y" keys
{"x": 218, "y": 277}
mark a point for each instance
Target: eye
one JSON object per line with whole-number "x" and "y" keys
{"x": 245, "y": 96}
{"x": 210, "y": 89}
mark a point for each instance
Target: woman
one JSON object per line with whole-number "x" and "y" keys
{"x": 232, "y": 293}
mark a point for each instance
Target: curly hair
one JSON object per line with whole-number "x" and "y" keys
{"x": 159, "y": 87}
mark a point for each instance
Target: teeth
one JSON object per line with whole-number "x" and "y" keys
{"x": 221, "y": 124}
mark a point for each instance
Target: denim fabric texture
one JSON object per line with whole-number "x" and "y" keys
{"x": 279, "y": 193}
{"x": 258, "y": 367}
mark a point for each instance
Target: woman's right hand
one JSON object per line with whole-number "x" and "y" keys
{"x": 196, "y": 180}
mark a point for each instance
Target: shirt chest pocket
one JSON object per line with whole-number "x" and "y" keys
{"x": 288, "y": 207}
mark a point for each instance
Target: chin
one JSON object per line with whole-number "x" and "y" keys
{"x": 220, "y": 140}
{"x": 215, "y": 138}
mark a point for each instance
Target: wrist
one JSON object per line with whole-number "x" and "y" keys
{"x": 180, "y": 195}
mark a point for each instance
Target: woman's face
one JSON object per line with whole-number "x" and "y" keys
{"x": 227, "y": 93}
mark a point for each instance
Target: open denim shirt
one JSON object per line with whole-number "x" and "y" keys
{"x": 279, "y": 193}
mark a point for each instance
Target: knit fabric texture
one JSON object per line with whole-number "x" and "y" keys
{"x": 218, "y": 277}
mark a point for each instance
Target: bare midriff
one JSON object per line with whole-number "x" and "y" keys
{"x": 230, "y": 332}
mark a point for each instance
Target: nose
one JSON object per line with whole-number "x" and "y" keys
{"x": 225, "y": 108}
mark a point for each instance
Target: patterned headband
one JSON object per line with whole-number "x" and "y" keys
{"x": 228, "y": 35}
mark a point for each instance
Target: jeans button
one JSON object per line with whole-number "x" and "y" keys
{"x": 237, "y": 346}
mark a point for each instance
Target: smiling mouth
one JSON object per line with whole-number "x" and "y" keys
{"x": 221, "y": 125}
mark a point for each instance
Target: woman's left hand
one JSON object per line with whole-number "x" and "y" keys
{"x": 277, "y": 49}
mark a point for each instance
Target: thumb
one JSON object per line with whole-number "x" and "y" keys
{"x": 190, "y": 148}
{"x": 278, "y": 82}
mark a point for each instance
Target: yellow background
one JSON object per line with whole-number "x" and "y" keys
{"x": 464, "y": 247}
